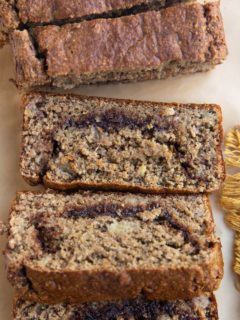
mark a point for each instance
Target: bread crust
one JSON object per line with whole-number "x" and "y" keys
{"x": 33, "y": 180}
{"x": 45, "y": 11}
{"x": 49, "y": 286}
{"x": 214, "y": 307}
{"x": 25, "y": 13}
{"x": 150, "y": 45}
{"x": 29, "y": 69}
{"x": 104, "y": 285}
{"x": 52, "y": 11}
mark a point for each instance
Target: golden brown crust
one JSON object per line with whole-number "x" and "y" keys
{"x": 29, "y": 69}
{"x": 14, "y": 13}
{"x": 45, "y": 11}
{"x": 86, "y": 286}
{"x": 120, "y": 286}
{"x": 110, "y": 187}
{"x": 115, "y": 186}
{"x": 51, "y": 11}
{"x": 25, "y": 13}
{"x": 217, "y": 42}
{"x": 214, "y": 308}
{"x": 127, "y": 43}
{"x": 149, "y": 45}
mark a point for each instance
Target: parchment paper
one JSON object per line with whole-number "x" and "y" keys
{"x": 220, "y": 86}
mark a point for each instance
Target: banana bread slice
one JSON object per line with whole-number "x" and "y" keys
{"x": 202, "y": 308}
{"x": 85, "y": 247}
{"x": 73, "y": 141}
{"x": 183, "y": 38}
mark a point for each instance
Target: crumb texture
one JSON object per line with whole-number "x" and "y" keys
{"x": 121, "y": 234}
{"x": 203, "y": 308}
{"x": 69, "y": 141}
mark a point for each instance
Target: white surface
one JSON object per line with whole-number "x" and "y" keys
{"x": 220, "y": 86}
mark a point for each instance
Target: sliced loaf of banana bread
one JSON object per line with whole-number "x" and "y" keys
{"x": 85, "y": 247}
{"x": 72, "y": 141}
{"x": 183, "y": 38}
{"x": 202, "y": 308}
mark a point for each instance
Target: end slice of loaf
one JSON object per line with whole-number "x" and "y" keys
{"x": 202, "y": 308}
{"x": 180, "y": 39}
{"x": 89, "y": 142}
{"x": 85, "y": 247}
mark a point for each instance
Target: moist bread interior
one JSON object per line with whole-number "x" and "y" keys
{"x": 96, "y": 141}
{"x": 202, "y": 308}
{"x": 113, "y": 231}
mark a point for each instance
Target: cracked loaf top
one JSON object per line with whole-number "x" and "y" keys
{"x": 86, "y": 246}
{"x": 23, "y": 14}
{"x": 71, "y": 141}
{"x": 29, "y": 12}
{"x": 183, "y": 38}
